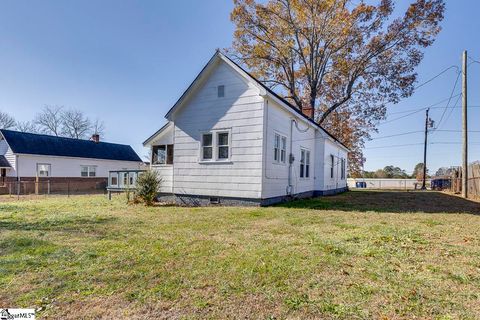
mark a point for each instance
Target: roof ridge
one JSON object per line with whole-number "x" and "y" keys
{"x": 60, "y": 137}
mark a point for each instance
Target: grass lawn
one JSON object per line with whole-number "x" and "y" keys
{"x": 359, "y": 255}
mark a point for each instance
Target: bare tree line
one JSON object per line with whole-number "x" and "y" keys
{"x": 58, "y": 121}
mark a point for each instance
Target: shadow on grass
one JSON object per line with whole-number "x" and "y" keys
{"x": 389, "y": 201}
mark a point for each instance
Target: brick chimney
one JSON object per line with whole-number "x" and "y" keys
{"x": 308, "y": 111}
{"x": 95, "y": 138}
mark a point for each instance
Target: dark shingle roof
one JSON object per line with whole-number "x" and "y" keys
{"x": 30, "y": 143}
{"x": 4, "y": 162}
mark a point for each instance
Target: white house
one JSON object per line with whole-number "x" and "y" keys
{"x": 231, "y": 140}
{"x": 28, "y": 156}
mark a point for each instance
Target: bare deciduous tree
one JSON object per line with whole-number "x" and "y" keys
{"x": 27, "y": 126}
{"x": 6, "y": 121}
{"x": 98, "y": 127}
{"x": 49, "y": 120}
{"x": 75, "y": 124}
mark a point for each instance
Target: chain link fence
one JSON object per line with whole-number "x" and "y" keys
{"x": 47, "y": 188}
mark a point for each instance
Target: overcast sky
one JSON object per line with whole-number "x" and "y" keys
{"x": 127, "y": 62}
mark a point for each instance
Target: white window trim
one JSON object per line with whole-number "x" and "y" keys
{"x": 279, "y": 160}
{"x": 49, "y": 169}
{"x": 306, "y": 150}
{"x": 88, "y": 170}
{"x": 215, "y": 146}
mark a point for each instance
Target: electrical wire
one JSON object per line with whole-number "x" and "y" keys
{"x": 449, "y": 100}
{"x": 397, "y": 135}
{"x": 432, "y": 106}
{"x": 435, "y": 77}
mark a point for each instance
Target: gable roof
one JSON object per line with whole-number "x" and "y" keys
{"x": 41, "y": 144}
{"x": 262, "y": 86}
{"x": 156, "y": 133}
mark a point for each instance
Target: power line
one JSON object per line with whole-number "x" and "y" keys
{"x": 451, "y": 111}
{"x": 398, "y": 118}
{"x": 419, "y": 144}
{"x": 473, "y": 60}
{"x": 435, "y": 77}
{"x": 396, "y": 135}
{"x": 449, "y": 99}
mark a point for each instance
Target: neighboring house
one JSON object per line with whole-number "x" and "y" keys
{"x": 231, "y": 140}
{"x": 28, "y": 156}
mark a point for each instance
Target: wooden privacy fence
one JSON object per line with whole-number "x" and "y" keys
{"x": 473, "y": 180}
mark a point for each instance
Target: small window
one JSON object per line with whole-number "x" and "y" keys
{"x": 223, "y": 148}
{"x": 214, "y": 200}
{"x": 207, "y": 146}
{"x": 88, "y": 171}
{"x": 43, "y": 169}
{"x": 113, "y": 179}
{"x": 84, "y": 171}
{"x": 276, "y": 148}
{"x": 304, "y": 163}
{"x": 332, "y": 165}
{"x": 162, "y": 154}
{"x": 307, "y": 164}
{"x": 221, "y": 91}
{"x": 283, "y": 150}
{"x": 170, "y": 154}
{"x": 279, "y": 148}
{"x": 343, "y": 169}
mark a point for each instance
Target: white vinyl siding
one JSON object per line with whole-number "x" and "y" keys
{"x": 240, "y": 113}
{"x": 70, "y": 166}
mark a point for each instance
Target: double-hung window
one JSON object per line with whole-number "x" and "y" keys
{"x": 223, "y": 145}
{"x": 304, "y": 163}
{"x": 43, "y": 169}
{"x": 207, "y": 146}
{"x": 215, "y": 146}
{"x": 162, "y": 154}
{"x": 88, "y": 171}
{"x": 279, "y": 148}
{"x": 332, "y": 165}
{"x": 343, "y": 168}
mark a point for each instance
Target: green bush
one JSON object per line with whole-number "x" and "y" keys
{"x": 148, "y": 184}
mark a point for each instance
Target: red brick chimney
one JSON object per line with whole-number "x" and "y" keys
{"x": 95, "y": 138}
{"x": 308, "y": 111}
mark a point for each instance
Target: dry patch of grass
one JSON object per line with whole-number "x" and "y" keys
{"x": 361, "y": 255}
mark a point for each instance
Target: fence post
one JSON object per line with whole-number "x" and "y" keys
{"x": 18, "y": 189}
{"x": 48, "y": 187}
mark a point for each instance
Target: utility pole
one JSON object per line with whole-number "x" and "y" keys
{"x": 464, "y": 128}
{"x": 427, "y": 122}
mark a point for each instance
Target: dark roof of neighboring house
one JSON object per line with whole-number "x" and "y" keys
{"x": 41, "y": 144}
{"x": 4, "y": 162}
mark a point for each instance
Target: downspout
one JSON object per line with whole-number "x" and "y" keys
{"x": 290, "y": 161}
